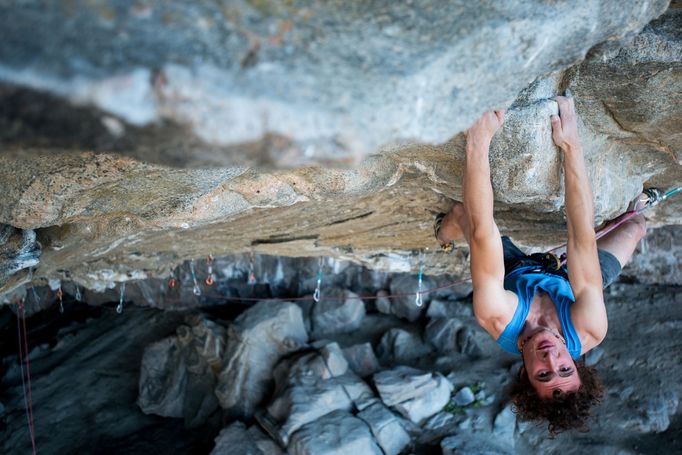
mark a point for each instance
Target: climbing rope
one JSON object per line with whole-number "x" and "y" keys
{"x": 25, "y": 375}
{"x": 655, "y": 195}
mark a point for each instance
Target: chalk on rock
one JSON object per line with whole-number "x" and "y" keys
{"x": 415, "y": 394}
{"x": 336, "y": 433}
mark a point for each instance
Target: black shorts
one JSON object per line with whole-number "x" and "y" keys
{"x": 514, "y": 257}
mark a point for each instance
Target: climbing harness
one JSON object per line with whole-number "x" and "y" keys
{"x": 25, "y": 374}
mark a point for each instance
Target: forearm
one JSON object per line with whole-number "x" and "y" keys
{"x": 579, "y": 204}
{"x": 583, "y": 260}
{"x": 478, "y": 191}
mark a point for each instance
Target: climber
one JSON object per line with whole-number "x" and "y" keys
{"x": 550, "y": 315}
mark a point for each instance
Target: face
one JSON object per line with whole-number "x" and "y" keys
{"x": 549, "y": 365}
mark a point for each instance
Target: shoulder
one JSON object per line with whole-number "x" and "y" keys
{"x": 495, "y": 318}
{"x": 589, "y": 318}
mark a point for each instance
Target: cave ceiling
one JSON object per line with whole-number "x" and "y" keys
{"x": 135, "y": 137}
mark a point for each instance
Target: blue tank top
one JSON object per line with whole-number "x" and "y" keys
{"x": 524, "y": 282}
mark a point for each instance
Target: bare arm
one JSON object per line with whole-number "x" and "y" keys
{"x": 493, "y": 306}
{"x": 584, "y": 273}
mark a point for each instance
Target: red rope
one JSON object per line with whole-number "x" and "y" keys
{"x": 26, "y": 383}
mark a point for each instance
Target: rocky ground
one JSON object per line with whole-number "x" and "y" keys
{"x": 338, "y": 376}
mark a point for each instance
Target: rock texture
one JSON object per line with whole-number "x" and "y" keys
{"x": 85, "y": 366}
{"x": 256, "y": 341}
{"x": 396, "y": 103}
{"x": 179, "y": 374}
{"x": 332, "y": 80}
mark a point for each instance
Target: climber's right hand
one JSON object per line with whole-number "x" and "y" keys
{"x": 565, "y": 125}
{"x": 483, "y": 129}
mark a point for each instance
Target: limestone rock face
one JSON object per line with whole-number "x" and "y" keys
{"x": 633, "y": 98}
{"x": 332, "y": 80}
{"x": 384, "y": 91}
{"x": 18, "y": 251}
{"x": 256, "y": 341}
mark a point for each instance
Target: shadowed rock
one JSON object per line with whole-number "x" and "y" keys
{"x": 256, "y": 341}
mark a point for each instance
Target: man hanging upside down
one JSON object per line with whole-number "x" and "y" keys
{"x": 547, "y": 315}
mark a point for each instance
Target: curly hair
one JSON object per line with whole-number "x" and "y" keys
{"x": 565, "y": 411}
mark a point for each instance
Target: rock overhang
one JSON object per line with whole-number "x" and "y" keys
{"x": 103, "y": 215}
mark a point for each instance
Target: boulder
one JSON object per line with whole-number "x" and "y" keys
{"x": 178, "y": 374}
{"x": 415, "y": 394}
{"x": 655, "y": 412}
{"x": 236, "y": 438}
{"x": 404, "y": 306}
{"x": 398, "y": 346}
{"x": 339, "y": 311}
{"x": 162, "y": 379}
{"x": 257, "y": 339}
{"x": 504, "y": 426}
{"x": 464, "y": 397}
{"x": 465, "y": 443}
{"x": 659, "y": 259}
{"x": 308, "y": 387}
{"x": 361, "y": 359}
{"x": 387, "y": 430}
{"x": 448, "y": 309}
{"x": 335, "y": 433}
